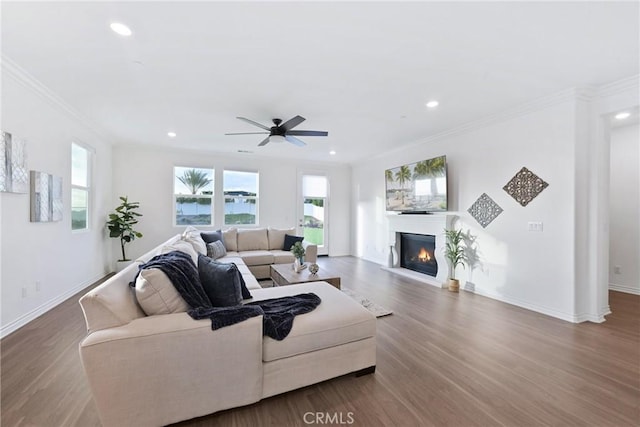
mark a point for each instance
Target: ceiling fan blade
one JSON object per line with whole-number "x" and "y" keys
{"x": 248, "y": 133}
{"x": 264, "y": 142}
{"x": 308, "y": 133}
{"x": 291, "y": 123}
{"x": 244, "y": 119}
{"x": 294, "y": 140}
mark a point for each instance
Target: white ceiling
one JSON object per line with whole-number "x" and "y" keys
{"x": 362, "y": 71}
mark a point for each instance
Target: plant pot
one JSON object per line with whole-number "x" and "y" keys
{"x": 121, "y": 265}
{"x": 454, "y": 285}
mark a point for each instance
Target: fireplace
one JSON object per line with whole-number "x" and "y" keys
{"x": 417, "y": 253}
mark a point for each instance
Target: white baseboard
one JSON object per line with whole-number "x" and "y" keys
{"x": 624, "y": 288}
{"x": 39, "y": 311}
{"x": 569, "y": 317}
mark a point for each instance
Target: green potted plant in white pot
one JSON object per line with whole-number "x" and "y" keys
{"x": 454, "y": 253}
{"x": 121, "y": 224}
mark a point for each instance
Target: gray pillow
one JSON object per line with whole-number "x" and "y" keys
{"x": 211, "y": 236}
{"x": 220, "y": 282}
{"x": 216, "y": 249}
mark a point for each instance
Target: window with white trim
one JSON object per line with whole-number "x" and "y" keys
{"x": 240, "y": 197}
{"x": 80, "y": 187}
{"x": 193, "y": 196}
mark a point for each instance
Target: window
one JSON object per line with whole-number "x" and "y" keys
{"x": 80, "y": 187}
{"x": 314, "y": 195}
{"x": 240, "y": 197}
{"x": 193, "y": 192}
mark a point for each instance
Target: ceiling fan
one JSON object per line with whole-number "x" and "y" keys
{"x": 282, "y": 131}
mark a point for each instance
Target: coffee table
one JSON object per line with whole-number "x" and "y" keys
{"x": 283, "y": 274}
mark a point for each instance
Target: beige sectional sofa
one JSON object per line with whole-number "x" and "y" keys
{"x": 260, "y": 247}
{"x": 156, "y": 370}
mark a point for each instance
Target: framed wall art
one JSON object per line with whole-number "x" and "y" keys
{"x": 13, "y": 164}
{"x": 46, "y": 197}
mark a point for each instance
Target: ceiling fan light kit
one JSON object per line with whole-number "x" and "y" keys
{"x": 281, "y": 132}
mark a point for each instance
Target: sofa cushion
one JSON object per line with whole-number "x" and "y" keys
{"x": 216, "y": 249}
{"x": 192, "y": 235}
{"x": 221, "y": 282}
{"x": 230, "y": 239}
{"x": 339, "y": 319}
{"x": 290, "y": 240}
{"x": 211, "y": 236}
{"x": 251, "y": 282}
{"x": 253, "y": 239}
{"x": 282, "y": 257}
{"x": 231, "y": 258}
{"x": 276, "y": 237}
{"x": 182, "y": 246}
{"x": 257, "y": 257}
{"x": 157, "y": 295}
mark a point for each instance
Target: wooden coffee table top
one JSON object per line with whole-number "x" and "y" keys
{"x": 283, "y": 274}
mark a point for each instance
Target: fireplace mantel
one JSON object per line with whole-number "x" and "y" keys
{"x": 434, "y": 224}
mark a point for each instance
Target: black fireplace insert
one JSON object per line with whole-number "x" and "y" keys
{"x": 417, "y": 253}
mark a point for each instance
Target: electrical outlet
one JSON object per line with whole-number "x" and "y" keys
{"x": 37, "y": 286}
{"x": 24, "y": 292}
{"x": 616, "y": 269}
{"x": 535, "y": 226}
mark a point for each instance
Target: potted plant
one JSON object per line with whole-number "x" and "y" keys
{"x": 121, "y": 224}
{"x": 454, "y": 253}
{"x": 298, "y": 251}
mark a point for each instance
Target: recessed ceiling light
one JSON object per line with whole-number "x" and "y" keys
{"x": 623, "y": 115}
{"x": 432, "y": 104}
{"x": 171, "y": 134}
{"x": 121, "y": 29}
{"x": 332, "y": 152}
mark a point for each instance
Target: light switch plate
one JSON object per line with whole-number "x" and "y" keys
{"x": 535, "y": 226}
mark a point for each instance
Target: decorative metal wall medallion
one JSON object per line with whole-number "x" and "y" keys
{"x": 484, "y": 210}
{"x": 525, "y": 186}
{"x": 13, "y": 165}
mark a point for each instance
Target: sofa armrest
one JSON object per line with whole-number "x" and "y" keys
{"x": 310, "y": 251}
{"x": 158, "y": 370}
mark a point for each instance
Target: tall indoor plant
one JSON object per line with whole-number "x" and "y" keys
{"x": 121, "y": 223}
{"x": 454, "y": 253}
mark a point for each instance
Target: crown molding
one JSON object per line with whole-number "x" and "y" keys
{"x": 622, "y": 85}
{"x": 11, "y": 69}
{"x": 586, "y": 94}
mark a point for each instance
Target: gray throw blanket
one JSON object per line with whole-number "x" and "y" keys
{"x": 278, "y": 313}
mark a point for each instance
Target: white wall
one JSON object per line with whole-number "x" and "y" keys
{"x": 146, "y": 176}
{"x": 63, "y": 262}
{"x": 531, "y": 269}
{"x": 624, "y": 197}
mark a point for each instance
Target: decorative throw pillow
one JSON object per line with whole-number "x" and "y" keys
{"x": 157, "y": 295}
{"x": 216, "y": 249}
{"x": 211, "y": 236}
{"x": 289, "y": 241}
{"x": 181, "y": 246}
{"x": 220, "y": 282}
{"x": 192, "y": 235}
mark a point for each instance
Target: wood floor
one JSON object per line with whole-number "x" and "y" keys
{"x": 443, "y": 359}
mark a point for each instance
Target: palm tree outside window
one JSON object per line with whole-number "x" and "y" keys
{"x": 193, "y": 194}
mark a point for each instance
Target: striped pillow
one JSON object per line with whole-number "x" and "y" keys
{"x": 216, "y": 249}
